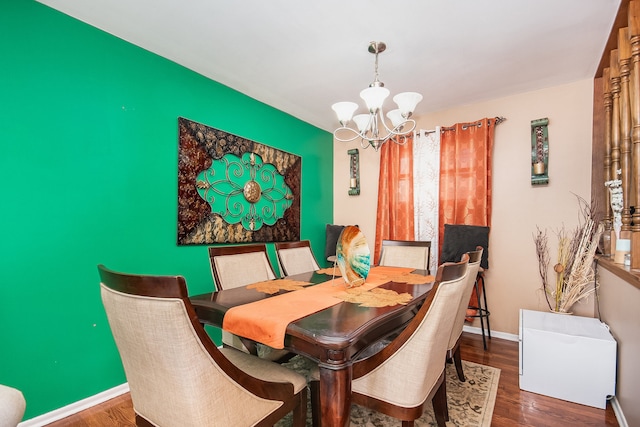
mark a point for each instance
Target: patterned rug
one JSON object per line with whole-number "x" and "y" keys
{"x": 470, "y": 403}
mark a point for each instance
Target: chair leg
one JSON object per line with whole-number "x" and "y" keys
{"x": 300, "y": 411}
{"x": 486, "y": 307}
{"x": 457, "y": 360}
{"x": 314, "y": 386}
{"x": 408, "y": 423}
{"x": 439, "y": 402}
{"x": 480, "y": 314}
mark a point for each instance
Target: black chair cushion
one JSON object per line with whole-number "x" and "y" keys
{"x": 460, "y": 239}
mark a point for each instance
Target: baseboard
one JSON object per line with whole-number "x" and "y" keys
{"x": 617, "y": 410}
{"x": 74, "y": 408}
{"x": 494, "y": 334}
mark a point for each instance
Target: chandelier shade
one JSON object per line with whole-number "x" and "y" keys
{"x": 407, "y": 102}
{"x": 344, "y": 111}
{"x": 371, "y": 127}
{"x": 362, "y": 121}
{"x": 396, "y": 117}
{"x": 374, "y": 97}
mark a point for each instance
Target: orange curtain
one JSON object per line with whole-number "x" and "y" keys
{"x": 394, "y": 218}
{"x": 465, "y": 179}
{"x": 465, "y": 174}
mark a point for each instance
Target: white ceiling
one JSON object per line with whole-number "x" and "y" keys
{"x": 302, "y": 56}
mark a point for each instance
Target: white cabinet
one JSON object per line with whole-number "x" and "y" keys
{"x": 567, "y": 357}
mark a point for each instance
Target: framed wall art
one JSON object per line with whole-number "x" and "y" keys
{"x": 233, "y": 190}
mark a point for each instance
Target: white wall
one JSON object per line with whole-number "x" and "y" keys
{"x": 518, "y": 207}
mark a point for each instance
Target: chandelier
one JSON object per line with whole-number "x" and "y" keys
{"x": 371, "y": 128}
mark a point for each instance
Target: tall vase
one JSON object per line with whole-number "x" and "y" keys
{"x": 605, "y": 244}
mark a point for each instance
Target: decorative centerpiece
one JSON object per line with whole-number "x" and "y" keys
{"x": 575, "y": 278}
{"x": 353, "y": 256}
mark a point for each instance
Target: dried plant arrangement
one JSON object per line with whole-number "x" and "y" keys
{"x": 575, "y": 278}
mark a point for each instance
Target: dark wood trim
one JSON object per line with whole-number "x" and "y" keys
{"x": 627, "y": 274}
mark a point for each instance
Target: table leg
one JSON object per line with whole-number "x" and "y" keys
{"x": 335, "y": 396}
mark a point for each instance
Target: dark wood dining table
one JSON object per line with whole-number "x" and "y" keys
{"x": 333, "y": 337}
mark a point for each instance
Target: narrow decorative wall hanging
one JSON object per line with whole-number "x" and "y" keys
{"x": 354, "y": 172}
{"x": 539, "y": 152}
{"x": 231, "y": 189}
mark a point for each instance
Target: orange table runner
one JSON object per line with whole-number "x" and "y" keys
{"x": 266, "y": 320}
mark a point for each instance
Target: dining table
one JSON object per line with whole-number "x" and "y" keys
{"x": 319, "y": 317}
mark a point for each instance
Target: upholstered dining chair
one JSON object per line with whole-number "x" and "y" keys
{"x": 176, "y": 374}
{"x": 240, "y": 265}
{"x": 405, "y": 253}
{"x": 236, "y": 266}
{"x": 295, "y": 257}
{"x": 402, "y": 377}
{"x": 12, "y": 406}
{"x": 453, "y": 350}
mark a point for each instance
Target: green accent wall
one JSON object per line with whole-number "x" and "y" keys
{"x": 88, "y": 169}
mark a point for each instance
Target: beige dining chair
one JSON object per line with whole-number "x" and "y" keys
{"x": 176, "y": 374}
{"x": 240, "y": 265}
{"x": 406, "y": 253}
{"x": 12, "y": 406}
{"x": 453, "y": 350}
{"x": 401, "y": 378}
{"x": 295, "y": 257}
{"x": 236, "y": 266}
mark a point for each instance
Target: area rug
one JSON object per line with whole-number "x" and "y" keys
{"x": 471, "y": 402}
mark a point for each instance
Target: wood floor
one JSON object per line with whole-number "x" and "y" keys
{"x": 513, "y": 407}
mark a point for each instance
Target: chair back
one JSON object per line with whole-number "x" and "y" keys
{"x": 405, "y": 253}
{"x": 12, "y": 406}
{"x": 458, "y": 239}
{"x": 475, "y": 258}
{"x": 235, "y": 266}
{"x": 295, "y": 257}
{"x": 405, "y": 371}
{"x": 175, "y": 373}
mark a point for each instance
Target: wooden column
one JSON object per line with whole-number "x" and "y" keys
{"x": 606, "y": 75}
{"x": 634, "y": 35}
{"x": 624, "y": 57}
{"x": 615, "y": 124}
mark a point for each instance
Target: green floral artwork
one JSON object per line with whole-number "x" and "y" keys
{"x": 245, "y": 190}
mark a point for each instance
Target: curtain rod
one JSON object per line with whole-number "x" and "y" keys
{"x": 498, "y": 119}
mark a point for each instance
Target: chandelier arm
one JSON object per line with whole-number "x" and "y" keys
{"x": 396, "y": 131}
{"x": 364, "y": 143}
{"x": 384, "y": 123}
{"x": 402, "y": 125}
{"x": 366, "y": 140}
{"x": 354, "y": 132}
